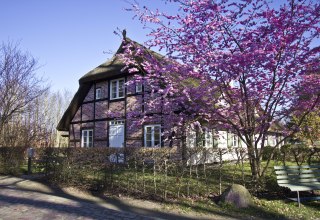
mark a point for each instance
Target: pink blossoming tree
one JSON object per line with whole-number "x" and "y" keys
{"x": 241, "y": 65}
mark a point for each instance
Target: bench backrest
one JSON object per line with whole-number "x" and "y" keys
{"x": 297, "y": 174}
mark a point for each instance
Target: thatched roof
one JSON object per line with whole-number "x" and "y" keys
{"x": 110, "y": 68}
{"x": 75, "y": 103}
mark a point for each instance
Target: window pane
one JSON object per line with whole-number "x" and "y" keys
{"x": 157, "y": 129}
{"x": 234, "y": 140}
{"x": 121, "y": 88}
{"x": 114, "y": 89}
{"x": 98, "y": 93}
{"x": 157, "y": 134}
{"x": 84, "y": 138}
{"x": 148, "y": 136}
{"x": 87, "y": 138}
{"x": 148, "y": 129}
{"x": 156, "y": 139}
{"x": 138, "y": 87}
{"x": 208, "y": 138}
{"x": 152, "y": 135}
{"x": 114, "y": 84}
{"x": 148, "y": 144}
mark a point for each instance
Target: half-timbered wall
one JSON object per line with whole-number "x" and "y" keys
{"x": 96, "y": 114}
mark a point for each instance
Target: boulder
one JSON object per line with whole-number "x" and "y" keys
{"x": 237, "y": 195}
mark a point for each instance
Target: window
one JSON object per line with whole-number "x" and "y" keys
{"x": 98, "y": 93}
{"x": 191, "y": 138}
{"x": 138, "y": 87}
{"x": 273, "y": 140}
{"x": 207, "y": 140}
{"x": 87, "y": 138}
{"x": 199, "y": 138}
{"x": 117, "y": 122}
{"x": 152, "y": 135}
{"x": 117, "y": 88}
{"x": 234, "y": 140}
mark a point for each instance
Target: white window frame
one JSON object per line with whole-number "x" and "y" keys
{"x": 116, "y": 122}
{"x": 85, "y": 142}
{"x": 152, "y": 135}
{"x": 200, "y": 138}
{"x": 207, "y": 140}
{"x": 117, "y": 89}
{"x": 138, "y": 87}
{"x": 98, "y": 93}
{"x": 234, "y": 140}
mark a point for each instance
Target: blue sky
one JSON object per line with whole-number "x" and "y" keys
{"x": 68, "y": 37}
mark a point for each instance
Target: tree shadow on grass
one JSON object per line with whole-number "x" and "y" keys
{"x": 252, "y": 212}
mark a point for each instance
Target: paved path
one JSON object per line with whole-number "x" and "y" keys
{"x": 27, "y": 199}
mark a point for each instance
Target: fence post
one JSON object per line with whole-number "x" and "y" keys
{"x": 30, "y": 153}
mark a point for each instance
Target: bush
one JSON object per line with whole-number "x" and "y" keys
{"x": 285, "y": 153}
{"x": 73, "y": 166}
{"x": 267, "y": 152}
{"x": 300, "y": 153}
{"x": 12, "y": 159}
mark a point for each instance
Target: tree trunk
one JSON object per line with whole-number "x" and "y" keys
{"x": 253, "y": 162}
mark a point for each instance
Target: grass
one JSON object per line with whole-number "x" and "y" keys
{"x": 269, "y": 203}
{"x": 263, "y": 208}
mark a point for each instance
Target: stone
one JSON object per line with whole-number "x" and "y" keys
{"x": 237, "y": 195}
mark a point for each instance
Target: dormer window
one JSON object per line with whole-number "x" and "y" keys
{"x": 117, "y": 88}
{"x": 98, "y": 93}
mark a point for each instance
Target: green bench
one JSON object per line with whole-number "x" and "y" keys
{"x": 299, "y": 178}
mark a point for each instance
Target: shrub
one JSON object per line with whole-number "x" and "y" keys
{"x": 300, "y": 152}
{"x": 12, "y": 159}
{"x": 285, "y": 153}
{"x": 267, "y": 152}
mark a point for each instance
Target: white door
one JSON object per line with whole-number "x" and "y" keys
{"x": 116, "y": 133}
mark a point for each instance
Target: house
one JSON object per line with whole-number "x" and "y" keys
{"x": 97, "y": 115}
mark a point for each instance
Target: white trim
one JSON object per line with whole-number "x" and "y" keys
{"x": 116, "y": 122}
{"x": 116, "y": 131}
{"x": 234, "y": 140}
{"x": 86, "y": 142}
{"x": 200, "y": 138}
{"x": 152, "y": 135}
{"x": 117, "y": 89}
{"x": 208, "y": 138}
